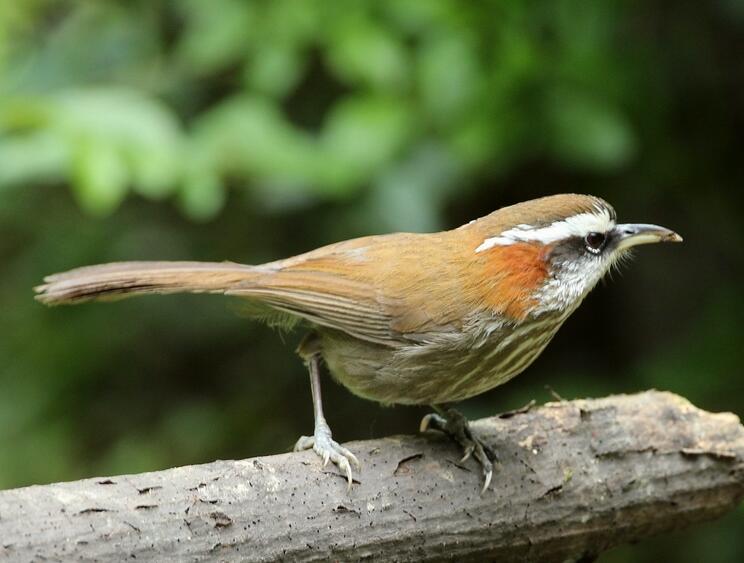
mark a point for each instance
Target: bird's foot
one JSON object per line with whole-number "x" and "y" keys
{"x": 455, "y": 425}
{"x": 323, "y": 444}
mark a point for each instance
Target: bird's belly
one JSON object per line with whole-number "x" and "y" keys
{"x": 431, "y": 373}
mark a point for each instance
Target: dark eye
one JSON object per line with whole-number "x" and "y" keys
{"x": 594, "y": 242}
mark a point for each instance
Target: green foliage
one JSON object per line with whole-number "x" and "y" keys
{"x": 249, "y": 130}
{"x": 185, "y": 97}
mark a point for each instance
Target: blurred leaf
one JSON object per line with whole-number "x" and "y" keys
{"x": 415, "y": 16}
{"x": 202, "y": 196}
{"x": 137, "y": 140}
{"x": 366, "y": 132}
{"x": 33, "y": 157}
{"x": 361, "y": 51}
{"x": 448, "y": 75}
{"x": 586, "y": 132}
{"x": 474, "y": 141}
{"x": 248, "y": 136}
{"x": 100, "y": 176}
{"x": 409, "y": 196}
{"x": 82, "y": 43}
{"x": 217, "y": 33}
{"x": 127, "y": 116}
{"x": 292, "y": 22}
{"x": 274, "y": 70}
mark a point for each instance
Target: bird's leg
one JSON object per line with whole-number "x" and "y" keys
{"x": 454, "y": 424}
{"x": 322, "y": 441}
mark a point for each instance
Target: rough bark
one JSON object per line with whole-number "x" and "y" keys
{"x": 574, "y": 479}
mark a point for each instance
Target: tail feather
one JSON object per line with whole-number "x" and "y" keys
{"x": 123, "y": 279}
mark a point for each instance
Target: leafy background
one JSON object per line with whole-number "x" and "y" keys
{"x": 252, "y": 130}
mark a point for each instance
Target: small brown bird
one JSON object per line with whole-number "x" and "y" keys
{"x": 410, "y": 318}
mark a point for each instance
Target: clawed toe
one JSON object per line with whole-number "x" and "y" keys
{"x": 468, "y": 451}
{"x": 330, "y": 451}
{"x": 457, "y": 427}
{"x": 487, "y": 475}
{"x": 481, "y": 454}
{"x": 433, "y": 421}
{"x": 304, "y": 443}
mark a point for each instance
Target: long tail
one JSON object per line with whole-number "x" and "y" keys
{"x": 123, "y": 279}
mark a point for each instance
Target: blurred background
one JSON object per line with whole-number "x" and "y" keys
{"x": 254, "y": 130}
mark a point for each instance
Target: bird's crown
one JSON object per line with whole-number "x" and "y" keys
{"x": 548, "y": 220}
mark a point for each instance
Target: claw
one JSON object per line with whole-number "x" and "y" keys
{"x": 344, "y": 465}
{"x": 456, "y": 426}
{"x": 350, "y": 456}
{"x": 424, "y": 426}
{"x": 330, "y": 451}
{"x": 434, "y": 421}
{"x": 487, "y": 475}
{"x": 304, "y": 443}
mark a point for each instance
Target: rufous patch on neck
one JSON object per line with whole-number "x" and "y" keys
{"x": 512, "y": 274}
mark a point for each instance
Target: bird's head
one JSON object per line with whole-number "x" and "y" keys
{"x": 548, "y": 253}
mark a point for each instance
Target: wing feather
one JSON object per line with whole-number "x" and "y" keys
{"x": 387, "y": 289}
{"x": 327, "y": 289}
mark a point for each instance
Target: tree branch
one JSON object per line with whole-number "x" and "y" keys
{"x": 574, "y": 479}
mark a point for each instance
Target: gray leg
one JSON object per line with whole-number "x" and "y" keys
{"x": 454, "y": 424}
{"x": 321, "y": 441}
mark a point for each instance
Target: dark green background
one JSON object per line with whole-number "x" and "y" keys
{"x": 253, "y": 130}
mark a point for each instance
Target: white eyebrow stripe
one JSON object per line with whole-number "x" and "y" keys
{"x": 576, "y": 225}
{"x": 493, "y": 241}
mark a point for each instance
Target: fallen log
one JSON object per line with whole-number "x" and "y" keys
{"x": 574, "y": 478}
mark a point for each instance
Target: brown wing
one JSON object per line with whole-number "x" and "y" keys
{"x": 382, "y": 289}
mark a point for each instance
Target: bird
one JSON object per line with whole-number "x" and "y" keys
{"x": 409, "y": 318}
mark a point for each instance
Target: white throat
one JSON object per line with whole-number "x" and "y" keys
{"x": 566, "y": 289}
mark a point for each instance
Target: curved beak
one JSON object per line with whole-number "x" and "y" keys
{"x": 633, "y": 234}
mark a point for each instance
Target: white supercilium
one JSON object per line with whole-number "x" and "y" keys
{"x": 575, "y": 226}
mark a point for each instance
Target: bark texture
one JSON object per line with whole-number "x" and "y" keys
{"x": 574, "y": 479}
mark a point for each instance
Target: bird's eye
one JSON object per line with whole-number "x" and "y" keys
{"x": 594, "y": 242}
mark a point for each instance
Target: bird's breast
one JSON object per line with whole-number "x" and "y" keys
{"x": 445, "y": 368}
